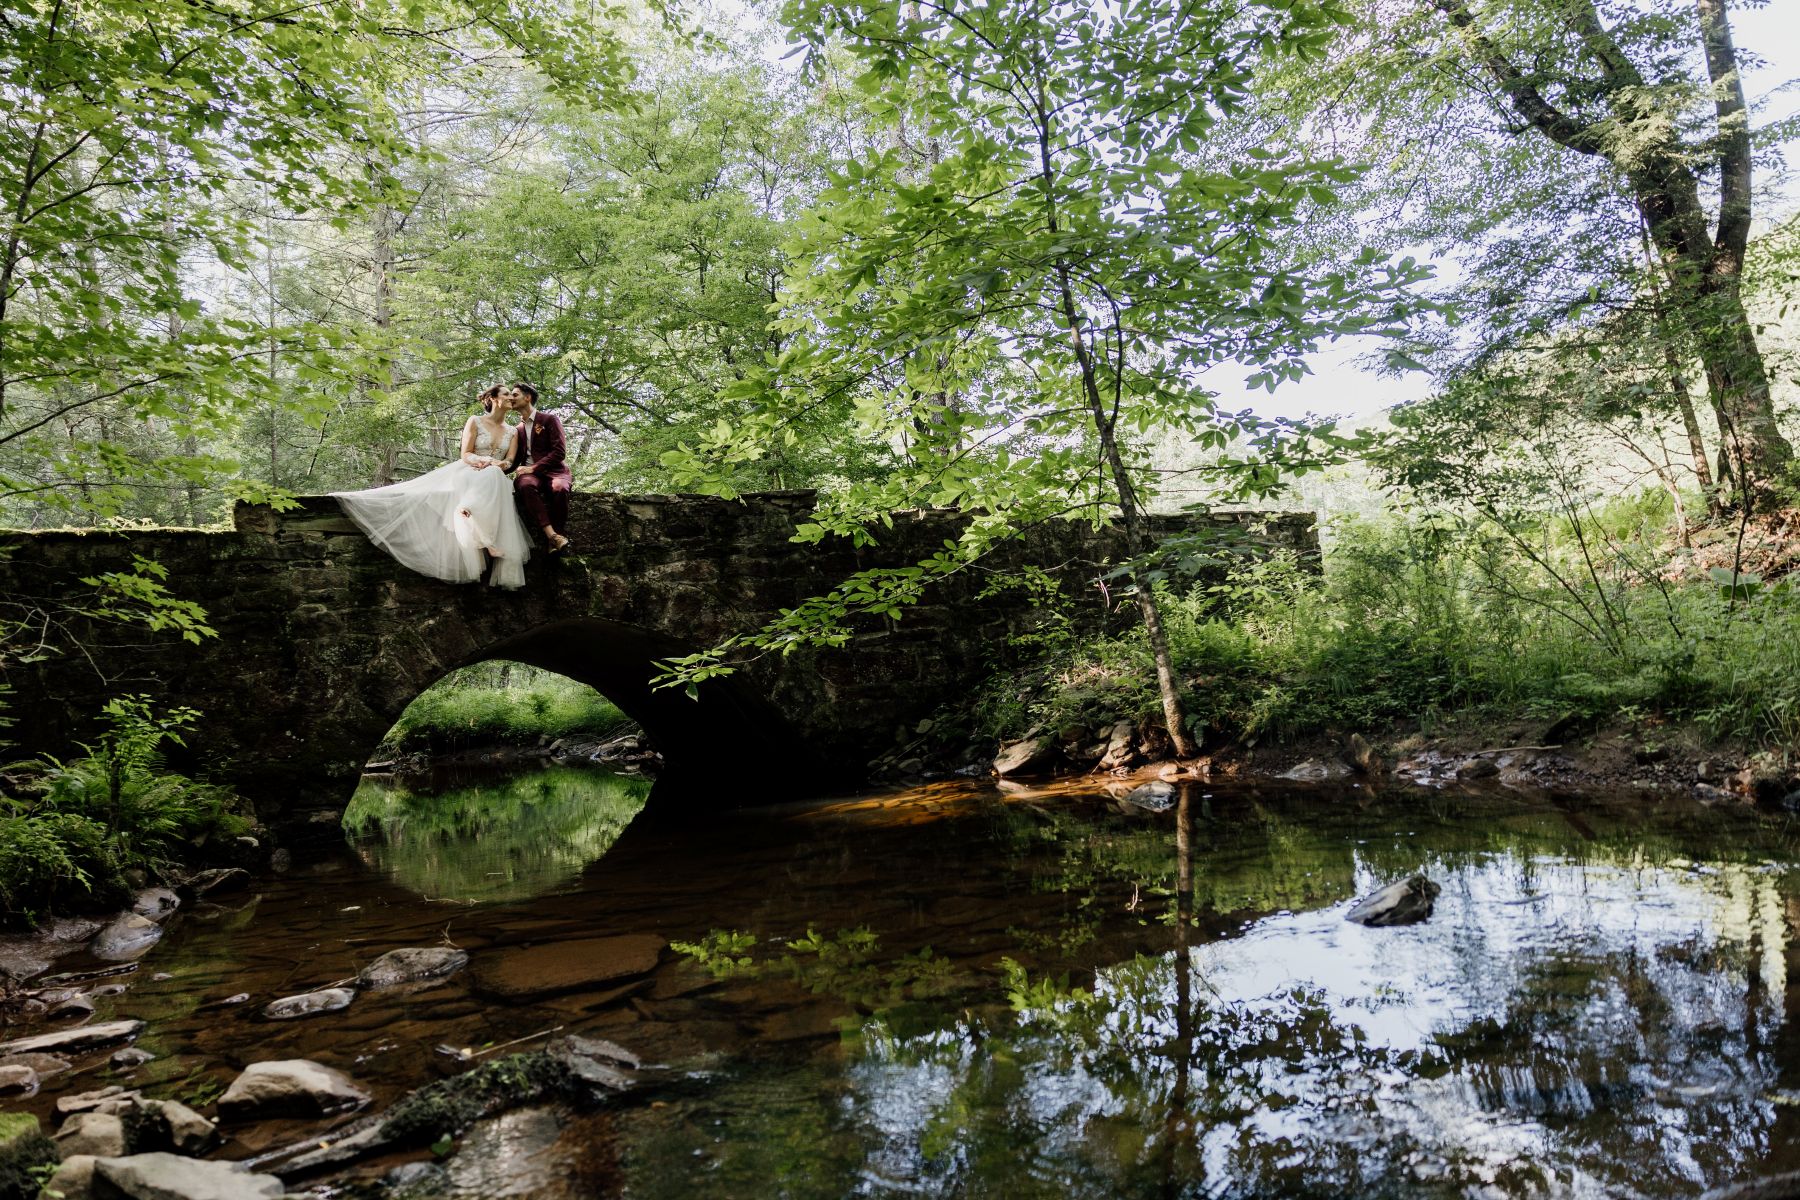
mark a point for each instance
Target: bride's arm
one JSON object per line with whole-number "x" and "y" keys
{"x": 510, "y": 459}
{"x": 469, "y": 457}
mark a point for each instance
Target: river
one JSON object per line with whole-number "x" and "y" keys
{"x": 958, "y": 989}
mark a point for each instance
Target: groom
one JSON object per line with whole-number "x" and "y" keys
{"x": 543, "y": 480}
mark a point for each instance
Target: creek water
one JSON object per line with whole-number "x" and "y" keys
{"x": 961, "y": 990}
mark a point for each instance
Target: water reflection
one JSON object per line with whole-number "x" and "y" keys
{"x": 1590, "y": 1012}
{"x": 491, "y": 837}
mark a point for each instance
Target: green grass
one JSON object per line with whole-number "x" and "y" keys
{"x": 1416, "y": 621}
{"x": 479, "y": 707}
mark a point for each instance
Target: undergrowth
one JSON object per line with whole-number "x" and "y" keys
{"x": 70, "y": 831}
{"x": 1418, "y": 620}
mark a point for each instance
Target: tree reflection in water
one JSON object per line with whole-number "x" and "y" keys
{"x": 491, "y": 837}
{"x": 1585, "y": 1014}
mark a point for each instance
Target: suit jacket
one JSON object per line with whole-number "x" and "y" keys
{"x": 544, "y": 445}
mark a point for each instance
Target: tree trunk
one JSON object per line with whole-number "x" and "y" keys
{"x": 1704, "y": 270}
{"x": 1136, "y": 536}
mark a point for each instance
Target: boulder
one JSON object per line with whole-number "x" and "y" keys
{"x": 73, "y": 1179}
{"x": 155, "y": 904}
{"x": 1121, "y": 746}
{"x": 1028, "y": 756}
{"x": 21, "y": 961}
{"x": 1404, "y": 903}
{"x": 308, "y": 1004}
{"x": 1316, "y": 770}
{"x": 289, "y": 1087}
{"x": 1362, "y": 756}
{"x": 70, "y": 1041}
{"x": 173, "y": 1177}
{"x": 412, "y": 964}
{"x": 552, "y": 968}
{"x": 96, "y": 1133}
{"x": 130, "y": 1058}
{"x": 1480, "y": 767}
{"x": 127, "y": 936}
{"x": 189, "y": 1132}
{"x": 18, "y": 1080}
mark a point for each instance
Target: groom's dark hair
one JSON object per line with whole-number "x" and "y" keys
{"x": 528, "y": 390}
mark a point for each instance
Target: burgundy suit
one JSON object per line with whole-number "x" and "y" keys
{"x": 542, "y": 479}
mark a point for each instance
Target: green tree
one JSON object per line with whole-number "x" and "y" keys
{"x": 1549, "y": 144}
{"x": 1040, "y": 294}
{"x": 132, "y": 134}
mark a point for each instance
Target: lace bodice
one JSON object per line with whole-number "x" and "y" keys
{"x": 484, "y": 440}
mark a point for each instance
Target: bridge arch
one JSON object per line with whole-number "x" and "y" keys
{"x": 323, "y": 640}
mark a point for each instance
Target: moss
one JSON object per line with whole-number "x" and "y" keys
{"x": 446, "y": 1108}
{"x": 26, "y": 1156}
{"x": 146, "y": 1130}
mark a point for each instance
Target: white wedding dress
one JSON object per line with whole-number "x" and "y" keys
{"x": 440, "y": 523}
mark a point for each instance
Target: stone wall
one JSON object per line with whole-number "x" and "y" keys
{"x": 323, "y": 640}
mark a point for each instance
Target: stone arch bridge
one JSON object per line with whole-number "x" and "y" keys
{"x": 323, "y": 640}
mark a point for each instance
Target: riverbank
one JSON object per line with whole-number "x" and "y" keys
{"x": 1668, "y": 759}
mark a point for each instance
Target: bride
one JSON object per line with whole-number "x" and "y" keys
{"x": 442, "y": 523}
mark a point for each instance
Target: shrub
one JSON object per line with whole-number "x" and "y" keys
{"x": 73, "y": 829}
{"x": 1415, "y": 619}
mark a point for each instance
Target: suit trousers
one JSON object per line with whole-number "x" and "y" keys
{"x": 544, "y": 497}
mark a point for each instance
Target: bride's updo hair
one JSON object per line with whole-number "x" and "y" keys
{"x": 490, "y": 397}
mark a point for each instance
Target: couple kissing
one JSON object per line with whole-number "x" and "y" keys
{"x": 462, "y": 521}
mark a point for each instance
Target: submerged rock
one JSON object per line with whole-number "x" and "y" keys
{"x": 130, "y": 1057}
{"x": 173, "y": 1177}
{"x": 1156, "y": 796}
{"x": 551, "y": 968}
{"x": 127, "y": 936}
{"x": 220, "y": 879}
{"x": 289, "y": 1087}
{"x": 308, "y": 1004}
{"x": 70, "y": 1041}
{"x": 412, "y": 964}
{"x": 1404, "y": 903}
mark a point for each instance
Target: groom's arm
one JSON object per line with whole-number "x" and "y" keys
{"x": 547, "y": 447}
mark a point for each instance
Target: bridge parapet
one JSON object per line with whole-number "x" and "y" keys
{"x": 323, "y": 640}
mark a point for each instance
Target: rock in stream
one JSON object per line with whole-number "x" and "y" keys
{"x": 1404, "y": 903}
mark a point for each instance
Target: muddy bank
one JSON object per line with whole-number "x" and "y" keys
{"x": 1466, "y": 749}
